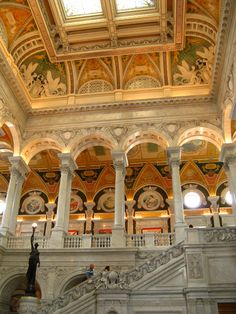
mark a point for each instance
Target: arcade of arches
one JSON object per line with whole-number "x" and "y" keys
{"x": 117, "y": 133}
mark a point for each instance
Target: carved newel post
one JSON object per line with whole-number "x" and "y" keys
{"x": 29, "y": 303}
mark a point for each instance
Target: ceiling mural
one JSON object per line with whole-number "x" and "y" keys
{"x": 43, "y": 78}
{"x": 193, "y": 65}
{"x": 15, "y": 16}
{"x": 89, "y": 53}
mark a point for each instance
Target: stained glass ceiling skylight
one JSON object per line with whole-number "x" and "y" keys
{"x": 74, "y": 8}
{"x": 134, "y": 4}
{"x": 81, "y": 7}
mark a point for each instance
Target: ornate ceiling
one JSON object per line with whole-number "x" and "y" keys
{"x": 163, "y": 49}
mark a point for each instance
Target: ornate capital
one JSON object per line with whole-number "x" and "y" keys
{"x": 174, "y": 155}
{"x": 228, "y": 153}
{"x": 68, "y": 164}
{"x": 19, "y": 167}
{"x": 213, "y": 200}
{"x": 119, "y": 159}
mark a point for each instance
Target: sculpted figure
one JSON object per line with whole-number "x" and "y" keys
{"x": 34, "y": 262}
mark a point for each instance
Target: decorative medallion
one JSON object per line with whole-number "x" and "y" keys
{"x": 33, "y": 204}
{"x": 107, "y": 201}
{"x": 150, "y": 199}
{"x": 76, "y": 203}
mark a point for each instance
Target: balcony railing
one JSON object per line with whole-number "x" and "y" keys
{"x": 73, "y": 242}
{"x": 150, "y": 239}
{"x": 23, "y": 242}
{"x": 101, "y": 241}
{"x": 94, "y": 241}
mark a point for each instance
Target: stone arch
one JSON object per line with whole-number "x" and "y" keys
{"x": 94, "y": 139}
{"x": 38, "y": 145}
{"x": 14, "y": 281}
{"x": 69, "y": 282}
{"x": 213, "y": 136}
{"x": 15, "y": 136}
{"x": 144, "y": 136}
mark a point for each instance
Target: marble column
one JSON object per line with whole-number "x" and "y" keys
{"x": 170, "y": 202}
{"x": 118, "y": 231}
{"x": 89, "y": 216}
{"x": 49, "y": 215}
{"x": 215, "y": 210}
{"x": 174, "y": 158}
{"x": 130, "y": 213}
{"x": 18, "y": 171}
{"x": 63, "y": 207}
{"x": 228, "y": 157}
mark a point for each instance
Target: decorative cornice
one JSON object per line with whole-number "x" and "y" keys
{"x": 126, "y": 105}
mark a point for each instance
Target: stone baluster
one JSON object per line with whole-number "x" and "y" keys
{"x": 89, "y": 215}
{"x": 49, "y": 215}
{"x": 228, "y": 157}
{"x": 215, "y": 209}
{"x": 174, "y": 157}
{"x": 130, "y": 213}
{"x": 18, "y": 170}
{"x": 63, "y": 208}
{"x": 120, "y": 162}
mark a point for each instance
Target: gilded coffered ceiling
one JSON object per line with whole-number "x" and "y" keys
{"x": 164, "y": 48}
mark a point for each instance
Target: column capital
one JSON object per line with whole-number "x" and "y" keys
{"x": 89, "y": 205}
{"x": 213, "y": 200}
{"x": 67, "y": 162}
{"x": 228, "y": 152}
{"x": 119, "y": 158}
{"x": 170, "y": 202}
{"x": 174, "y": 155}
{"x": 50, "y": 207}
{"x": 19, "y": 165}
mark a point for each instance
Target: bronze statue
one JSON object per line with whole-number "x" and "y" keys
{"x": 32, "y": 268}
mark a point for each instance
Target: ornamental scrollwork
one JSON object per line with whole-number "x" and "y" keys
{"x": 220, "y": 235}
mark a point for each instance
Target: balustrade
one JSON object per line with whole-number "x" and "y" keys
{"x": 101, "y": 241}
{"x": 72, "y": 242}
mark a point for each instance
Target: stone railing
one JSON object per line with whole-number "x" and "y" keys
{"x": 150, "y": 239}
{"x": 112, "y": 280}
{"x": 211, "y": 235}
{"x": 25, "y": 242}
{"x": 101, "y": 241}
{"x": 72, "y": 242}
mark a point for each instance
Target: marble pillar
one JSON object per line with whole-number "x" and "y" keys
{"x": 130, "y": 214}
{"x": 228, "y": 157}
{"x": 18, "y": 171}
{"x": 170, "y": 202}
{"x": 49, "y": 215}
{"x": 88, "y": 216}
{"x": 215, "y": 210}
{"x": 63, "y": 207}
{"x": 174, "y": 158}
{"x": 118, "y": 231}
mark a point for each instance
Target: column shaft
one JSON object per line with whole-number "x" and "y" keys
{"x": 18, "y": 171}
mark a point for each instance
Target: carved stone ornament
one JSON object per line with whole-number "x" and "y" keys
{"x": 220, "y": 235}
{"x": 150, "y": 199}
{"x": 111, "y": 280}
{"x": 194, "y": 264}
{"x": 107, "y": 201}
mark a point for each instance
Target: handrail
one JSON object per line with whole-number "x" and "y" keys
{"x": 112, "y": 280}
